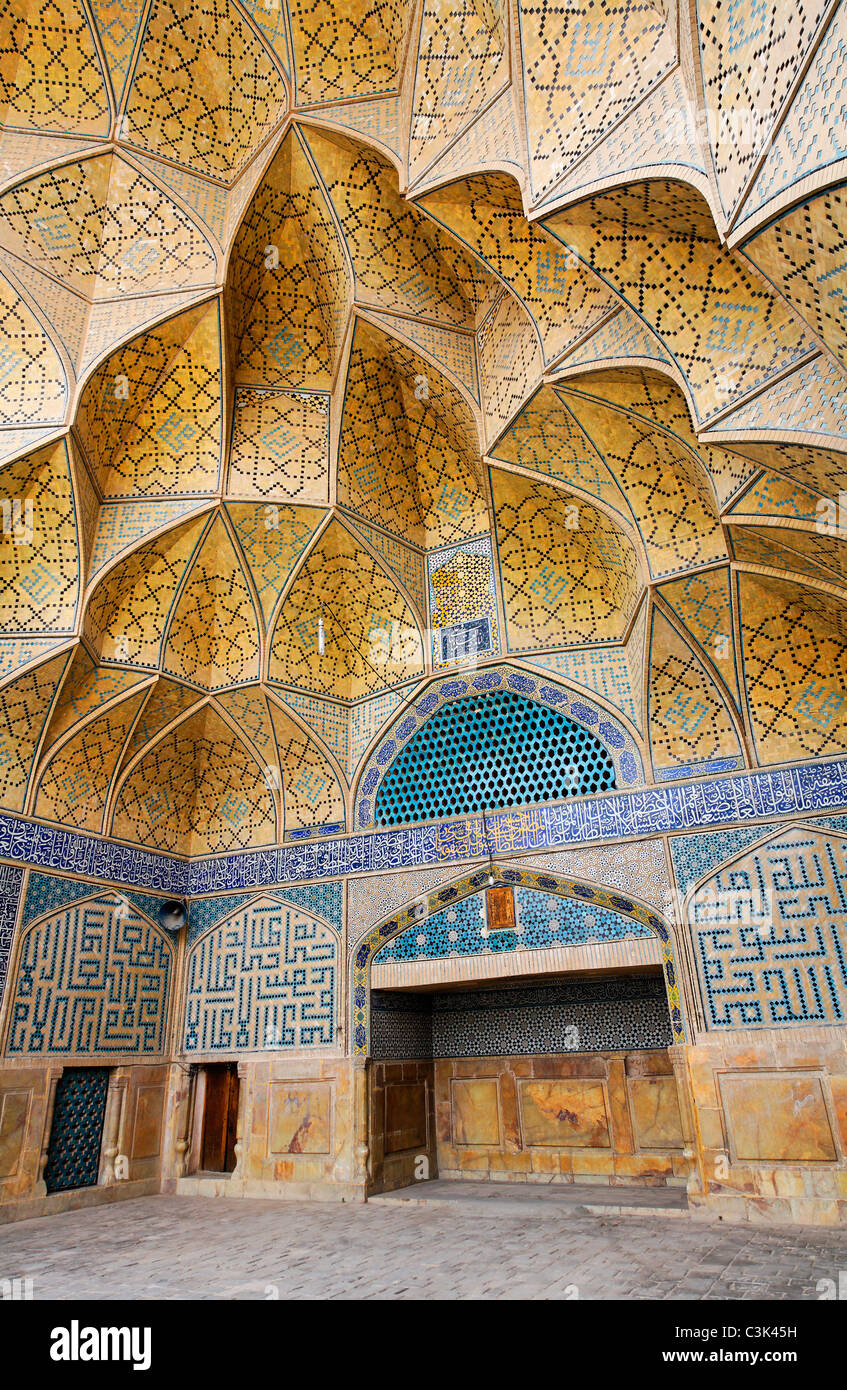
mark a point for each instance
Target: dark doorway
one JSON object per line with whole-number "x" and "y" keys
{"x": 220, "y": 1117}
{"x": 77, "y": 1129}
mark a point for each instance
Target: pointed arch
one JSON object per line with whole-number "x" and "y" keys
{"x": 471, "y": 883}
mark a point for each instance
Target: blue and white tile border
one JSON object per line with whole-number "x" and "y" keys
{"x": 813, "y": 788}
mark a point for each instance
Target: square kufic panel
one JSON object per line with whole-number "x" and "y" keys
{"x": 14, "y": 1117}
{"x": 475, "y": 1109}
{"x": 147, "y": 1129}
{"x": 654, "y": 1106}
{"x": 776, "y": 1118}
{"x": 405, "y": 1117}
{"x": 300, "y": 1118}
{"x": 564, "y": 1114}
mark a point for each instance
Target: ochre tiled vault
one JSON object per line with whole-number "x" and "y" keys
{"x": 395, "y": 320}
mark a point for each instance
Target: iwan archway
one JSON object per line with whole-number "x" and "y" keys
{"x": 521, "y": 1027}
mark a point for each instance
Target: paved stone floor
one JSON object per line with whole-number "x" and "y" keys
{"x": 194, "y": 1247}
{"x": 540, "y": 1199}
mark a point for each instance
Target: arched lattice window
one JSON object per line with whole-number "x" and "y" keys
{"x": 488, "y": 752}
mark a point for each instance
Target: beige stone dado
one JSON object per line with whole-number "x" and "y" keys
{"x": 768, "y": 1116}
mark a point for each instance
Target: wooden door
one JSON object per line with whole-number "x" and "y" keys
{"x": 231, "y": 1120}
{"x": 220, "y": 1117}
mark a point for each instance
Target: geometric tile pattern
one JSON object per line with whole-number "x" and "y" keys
{"x": 213, "y": 634}
{"x": 128, "y": 611}
{"x": 770, "y": 934}
{"x": 649, "y": 394}
{"x": 285, "y": 395}
{"x": 24, "y": 705}
{"x": 572, "y": 1015}
{"x": 288, "y": 280}
{"x": 735, "y": 800}
{"x": 462, "y": 604}
{"x": 33, "y": 384}
{"x": 123, "y": 524}
{"x": 583, "y": 67}
{"x": 661, "y": 131}
{"x": 541, "y": 921}
{"x": 91, "y": 980}
{"x": 51, "y": 74}
{"x": 402, "y": 261}
{"x": 74, "y": 784}
{"x": 803, "y": 256}
{"x": 568, "y": 572}
{"x": 11, "y": 879}
{"x": 408, "y": 454}
{"x": 264, "y": 979}
{"x": 702, "y": 602}
{"x": 808, "y": 139}
{"x": 655, "y": 243}
{"x": 412, "y": 921}
{"x": 407, "y": 564}
{"x": 796, "y": 551}
{"x": 313, "y": 796}
{"x": 355, "y": 53}
{"x": 117, "y": 24}
{"x": 773, "y": 495}
{"x": 749, "y": 62}
{"x": 367, "y": 717}
{"x": 456, "y": 351}
{"x": 46, "y": 893}
{"x": 279, "y": 445}
{"x": 39, "y": 553}
{"x": 150, "y": 416}
{"x": 462, "y": 61}
{"x": 532, "y": 700}
{"x": 795, "y": 667}
{"x": 510, "y": 360}
{"x": 491, "y": 141}
{"x": 166, "y": 702}
{"x": 103, "y": 230}
{"x": 601, "y": 669}
{"x": 812, "y": 399}
{"x": 197, "y": 791}
{"x": 546, "y": 438}
{"x": 505, "y": 750}
{"x": 330, "y": 721}
{"x": 371, "y": 637}
{"x": 76, "y": 1129}
{"x": 689, "y": 720}
{"x": 668, "y": 491}
{"x": 273, "y": 538}
{"x": 213, "y": 125}
{"x": 318, "y": 900}
{"x": 563, "y": 298}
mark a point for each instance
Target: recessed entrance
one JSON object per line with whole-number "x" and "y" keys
{"x": 220, "y": 1117}
{"x": 557, "y": 1080}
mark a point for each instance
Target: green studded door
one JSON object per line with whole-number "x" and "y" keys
{"x": 75, "y": 1135}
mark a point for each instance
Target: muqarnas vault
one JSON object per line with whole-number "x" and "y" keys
{"x": 423, "y": 556}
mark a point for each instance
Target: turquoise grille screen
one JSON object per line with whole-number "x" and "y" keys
{"x": 489, "y": 752}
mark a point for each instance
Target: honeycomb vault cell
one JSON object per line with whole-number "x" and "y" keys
{"x": 491, "y": 751}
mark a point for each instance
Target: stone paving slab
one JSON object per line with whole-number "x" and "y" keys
{"x": 204, "y": 1248}
{"x": 544, "y": 1200}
